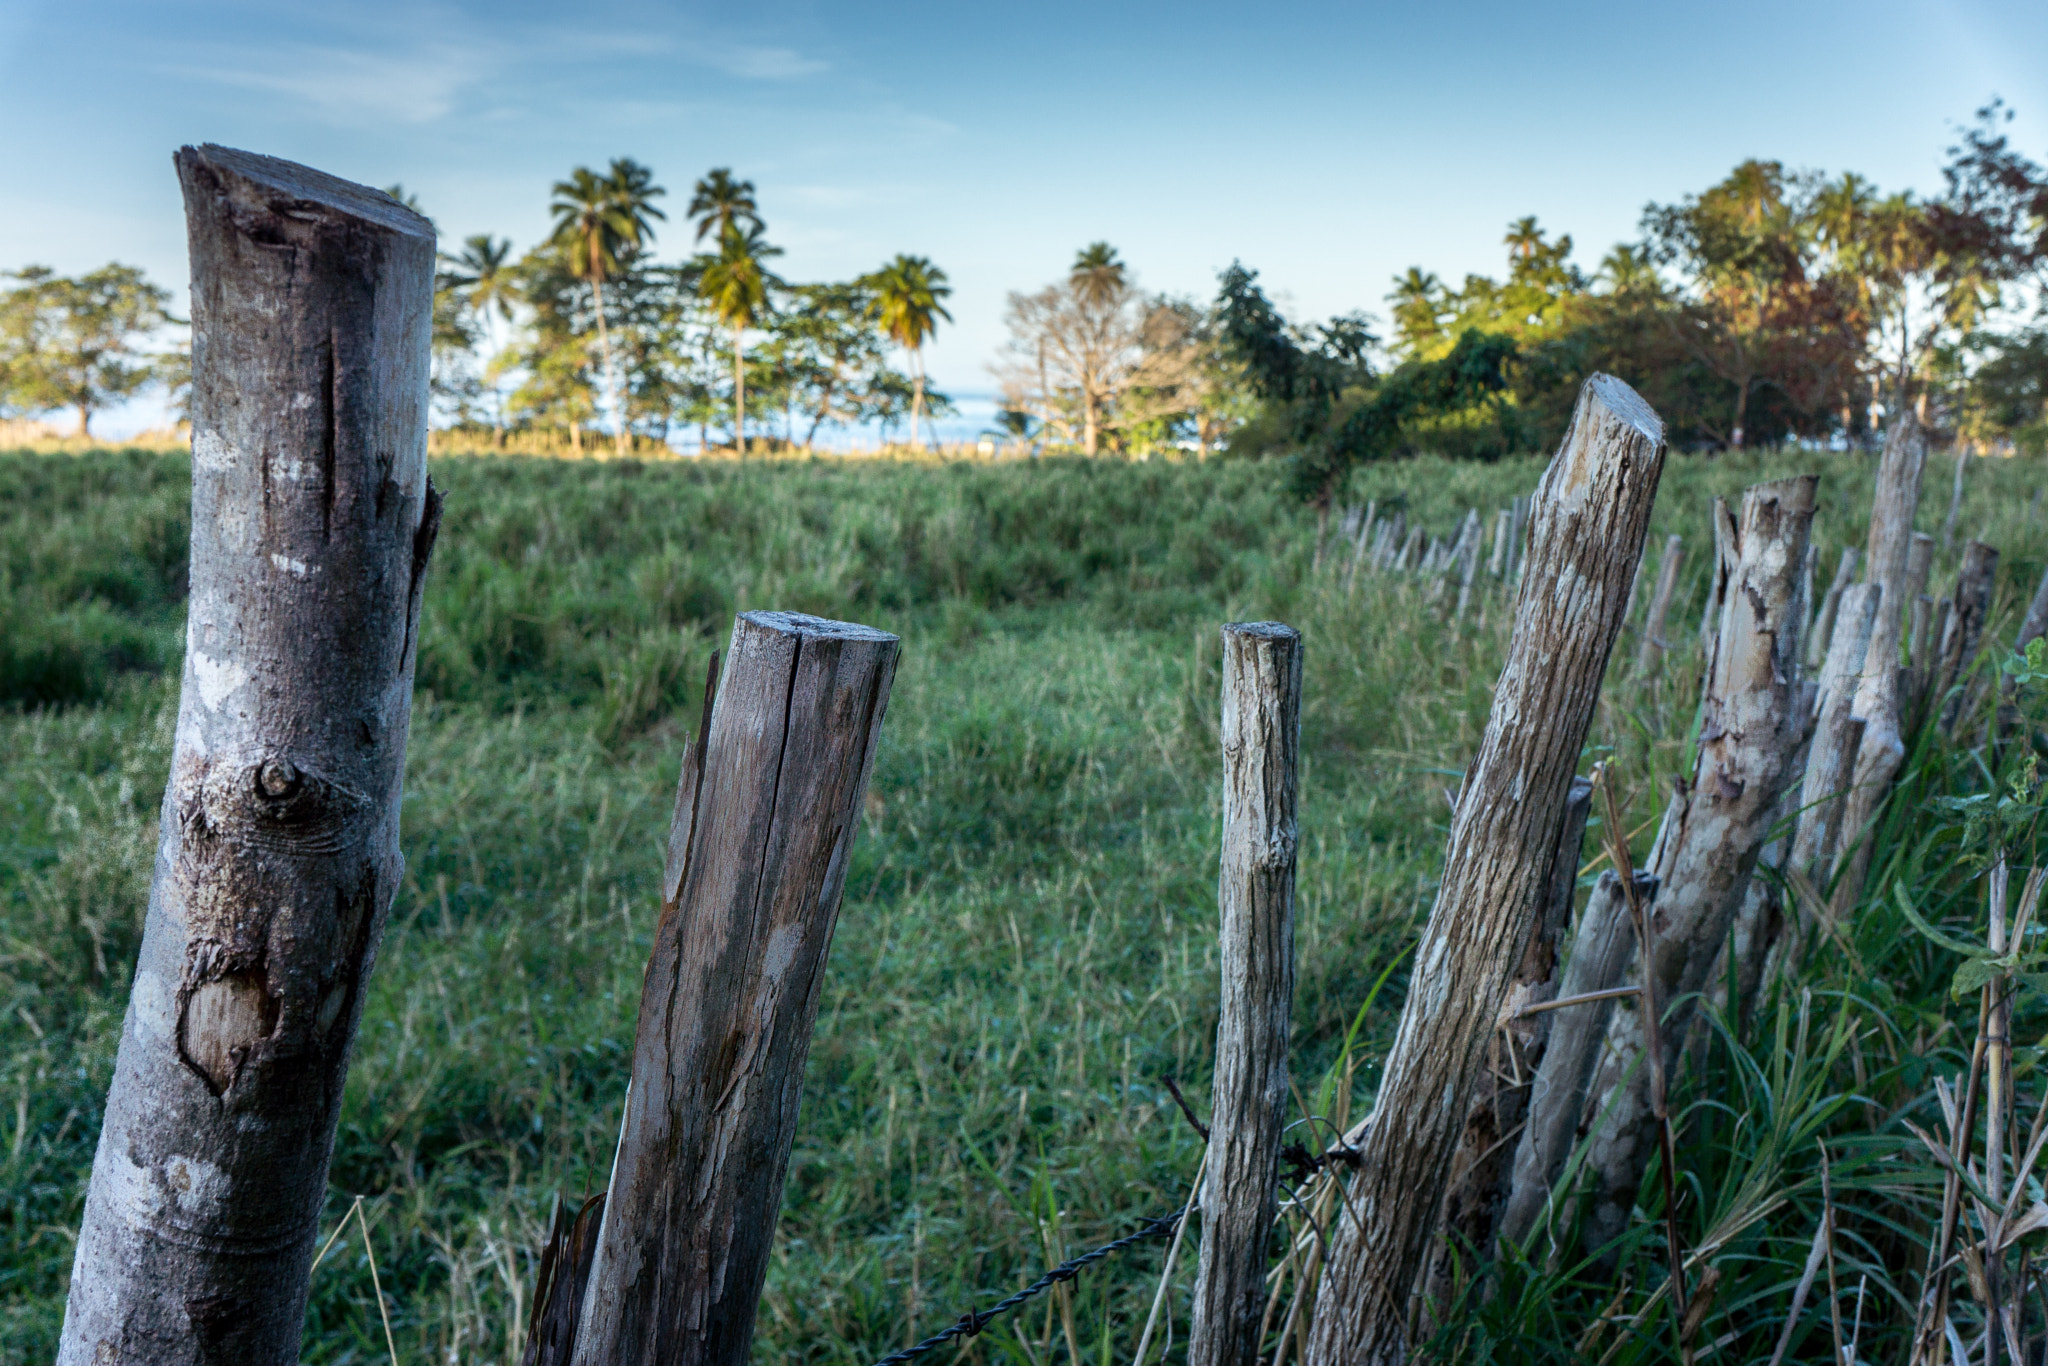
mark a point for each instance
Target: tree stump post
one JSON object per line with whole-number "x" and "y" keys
{"x": 1650, "y": 651}
{"x": 1824, "y": 627}
{"x": 1963, "y": 633}
{"x": 1591, "y": 515}
{"x": 1261, "y": 756}
{"x": 312, "y": 522}
{"x": 766, "y": 811}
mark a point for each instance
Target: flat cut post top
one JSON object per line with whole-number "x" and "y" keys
{"x": 816, "y": 628}
{"x": 1627, "y": 405}
{"x": 1267, "y": 630}
{"x": 309, "y": 190}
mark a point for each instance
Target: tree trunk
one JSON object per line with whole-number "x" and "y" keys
{"x": 1261, "y": 748}
{"x": 1955, "y": 496}
{"x": 1650, "y": 651}
{"x": 1500, "y": 1101}
{"x": 739, "y": 393}
{"x": 604, "y": 346}
{"x": 916, "y": 396}
{"x": 1751, "y": 725}
{"x": 312, "y": 521}
{"x": 85, "y": 422}
{"x": 1964, "y": 632}
{"x": 1089, "y": 435}
{"x": 1591, "y": 515}
{"x": 1883, "y": 747}
{"x": 766, "y": 812}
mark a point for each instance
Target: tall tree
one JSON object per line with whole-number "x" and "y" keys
{"x": 75, "y": 342}
{"x": 738, "y": 286}
{"x": 720, "y": 204}
{"x": 907, "y": 306}
{"x": 606, "y": 220}
{"x": 483, "y": 281}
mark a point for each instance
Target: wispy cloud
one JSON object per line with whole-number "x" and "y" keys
{"x": 344, "y": 86}
{"x": 757, "y": 63}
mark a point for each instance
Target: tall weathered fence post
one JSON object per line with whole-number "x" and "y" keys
{"x": 312, "y": 521}
{"x": 1261, "y": 750}
{"x": 766, "y": 812}
{"x": 1592, "y": 511}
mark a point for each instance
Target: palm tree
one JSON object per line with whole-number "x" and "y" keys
{"x": 482, "y": 278}
{"x": 1097, "y": 275}
{"x": 1418, "y": 303}
{"x": 603, "y": 221}
{"x": 1524, "y": 238}
{"x": 736, "y": 284}
{"x": 718, "y": 203}
{"x": 907, "y": 295}
{"x": 1628, "y": 270}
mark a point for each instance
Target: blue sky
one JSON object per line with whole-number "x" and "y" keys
{"x": 1329, "y": 146}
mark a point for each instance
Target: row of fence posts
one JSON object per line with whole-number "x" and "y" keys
{"x": 312, "y": 524}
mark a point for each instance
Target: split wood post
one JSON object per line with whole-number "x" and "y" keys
{"x": 1824, "y": 628}
{"x": 1516, "y": 548}
{"x": 1261, "y": 751}
{"x": 312, "y": 522}
{"x": 1497, "y": 562}
{"x": 1964, "y": 632}
{"x": 1603, "y": 947}
{"x": 1883, "y": 748}
{"x": 1358, "y": 545}
{"x": 1955, "y": 496}
{"x": 1411, "y": 551}
{"x": 1591, "y": 515}
{"x": 1480, "y": 1169}
{"x": 1919, "y": 569}
{"x": 1650, "y": 652}
{"x": 1467, "y": 563}
{"x": 1838, "y": 734}
{"x": 1751, "y": 725}
{"x": 2035, "y": 624}
{"x": 766, "y": 810}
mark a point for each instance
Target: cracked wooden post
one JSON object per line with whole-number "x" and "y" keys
{"x": 1261, "y": 751}
{"x": 1651, "y": 650}
{"x": 312, "y": 522}
{"x": 766, "y": 810}
{"x": 1591, "y": 514}
{"x": 1752, "y": 723}
{"x": 1883, "y": 747}
{"x": 1824, "y": 626}
{"x": 1480, "y": 1169}
{"x": 1964, "y": 631}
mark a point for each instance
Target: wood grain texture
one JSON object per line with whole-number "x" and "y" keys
{"x": 765, "y": 818}
{"x": 1753, "y": 721}
{"x": 312, "y": 522}
{"x": 1823, "y": 633}
{"x": 1963, "y": 634}
{"x": 1261, "y": 733}
{"x": 1482, "y": 1166}
{"x": 1650, "y": 651}
{"x": 1587, "y": 528}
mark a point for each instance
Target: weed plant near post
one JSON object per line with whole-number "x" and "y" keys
{"x": 312, "y": 521}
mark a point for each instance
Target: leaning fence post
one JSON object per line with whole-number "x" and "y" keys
{"x": 1261, "y": 744}
{"x": 1591, "y": 514}
{"x": 312, "y": 521}
{"x": 1651, "y": 651}
{"x": 765, "y": 817}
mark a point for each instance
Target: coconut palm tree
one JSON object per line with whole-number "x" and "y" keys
{"x": 1097, "y": 274}
{"x": 719, "y": 203}
{"x": 907, "y": 305}
{"x": 737, "y": 283}
{"x": 602, "y": 222}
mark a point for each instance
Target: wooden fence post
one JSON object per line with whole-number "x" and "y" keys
{"x": 1484, "y": 1162}
{"x": 1964, "y": 632}
{"x": 766, "y": 811}
{"x": 1651, "y": 650}
{"x": 1591, "y": 514}
{"x": 1261, "y": 750}
{"x": 312, "y": 522}
{"x": 1824, "y": 626}
{"x": 1754, "y": 718}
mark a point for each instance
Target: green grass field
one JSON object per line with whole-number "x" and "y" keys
{"x": 1027, "y": 944}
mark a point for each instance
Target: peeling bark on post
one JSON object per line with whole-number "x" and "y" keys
{"x": 1650, "y": 652}
{"x": 312, "y": 522}
{"x": 1964, "y": 632}
{"x": 765, "y": 819}
{"x": 1752, "y": 724}
{"x": 1500, "y": 1100}
{"x": 1591, "y": 515}
{"x": 1261, "y": 749}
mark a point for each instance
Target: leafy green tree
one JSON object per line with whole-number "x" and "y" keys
{"x": 481, "y": 283}
{"x": 605, "y": 221}
{"x": 76, "y": 342}
{"x": 739, "y": 288}
{"x": 827, "y": 347}
{"x": 907, "y": 303}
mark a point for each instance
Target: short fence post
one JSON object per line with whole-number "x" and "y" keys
{"x": 766, "y": 811}
{"x": 1650, "y": 652}
{"x": 1964, "y": 630}
{"x": 1261, "y": 745}
{"x": 312, "y": 523}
